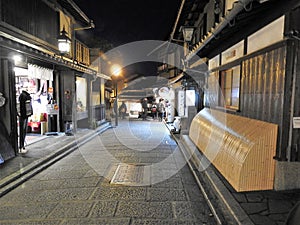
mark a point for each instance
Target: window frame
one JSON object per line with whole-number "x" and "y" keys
{"x": 233, "y": 101}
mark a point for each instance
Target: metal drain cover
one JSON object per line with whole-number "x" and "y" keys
{"x": 127, "y": 174}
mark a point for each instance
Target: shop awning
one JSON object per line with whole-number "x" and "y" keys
{"x": 38, "y": 72}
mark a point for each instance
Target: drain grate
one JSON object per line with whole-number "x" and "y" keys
{"x": 127, "y": 174}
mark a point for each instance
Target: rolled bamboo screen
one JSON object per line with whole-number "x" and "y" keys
{"x": 242, "y": 149}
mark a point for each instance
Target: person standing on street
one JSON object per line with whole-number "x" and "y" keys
{"x": 154, "y": 111}
{"x": 161, "y": 109}
{"x": 25, "y": 112}
{"x": 123, "y": 110}
{"x": 145, "y": 108}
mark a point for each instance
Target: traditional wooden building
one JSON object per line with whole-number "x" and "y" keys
{"x": 67, "y": 88}
{"x": 251, "y": 51}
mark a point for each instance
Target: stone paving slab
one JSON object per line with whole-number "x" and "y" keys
{"x": 75, "y": 191}
{"x": 40, "y": 155}
{"x": 31, "y": 222}
{"x": 97, "y": 221}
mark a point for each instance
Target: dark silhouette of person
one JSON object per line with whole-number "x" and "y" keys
{"x": 25, "y": 112}
{"x": 123, "y": 110}
{"x": 145, "y": 108}
{"x": 161, "y": 109}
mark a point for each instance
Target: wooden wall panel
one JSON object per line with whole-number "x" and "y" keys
{"x": 295, "y": 148}
{"x": 33, "y": 17}
{"x": 263, "y": 85}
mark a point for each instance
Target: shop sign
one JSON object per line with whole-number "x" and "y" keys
{"x": 233, "y": 53}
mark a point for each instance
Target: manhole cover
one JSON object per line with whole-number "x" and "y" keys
{"x": 127, "y": 174}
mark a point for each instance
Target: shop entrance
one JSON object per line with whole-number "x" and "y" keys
{"x": 38, "y": 83}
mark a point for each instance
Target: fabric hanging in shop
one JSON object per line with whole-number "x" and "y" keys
{"x": 38, "y": 72}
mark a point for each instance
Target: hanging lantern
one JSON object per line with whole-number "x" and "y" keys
{"x": 64, "y": 42}
{"x": 187, "y": 32}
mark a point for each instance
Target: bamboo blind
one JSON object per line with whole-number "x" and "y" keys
{"x": 242, "y": 149}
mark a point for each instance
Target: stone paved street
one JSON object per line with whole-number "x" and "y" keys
{"x": 268, "y": 207}
{"x": 132, "y": 174}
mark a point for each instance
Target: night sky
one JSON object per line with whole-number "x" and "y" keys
{"x": 124, "y": 21}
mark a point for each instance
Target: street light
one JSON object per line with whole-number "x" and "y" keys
{"x": 187, "y": 32}
{"x": 116, "y": 71}
{"x": 64, "y": 42}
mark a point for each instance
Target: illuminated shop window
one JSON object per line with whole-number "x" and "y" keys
{"x": 81, "y": 89}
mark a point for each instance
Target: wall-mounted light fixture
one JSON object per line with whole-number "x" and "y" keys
{"x": 187, "y": 32}
{"x": 17, "y": 59}
{"x": 64, "y": 42}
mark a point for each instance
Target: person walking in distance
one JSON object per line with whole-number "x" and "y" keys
{"x": 161, "y": 109}
{"x": 25, "y": 112}
{"x": 123, "y": 110}
{"x": 145, "y": 108}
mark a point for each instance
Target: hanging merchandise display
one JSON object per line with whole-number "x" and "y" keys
{"x": 38, "y": 82}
